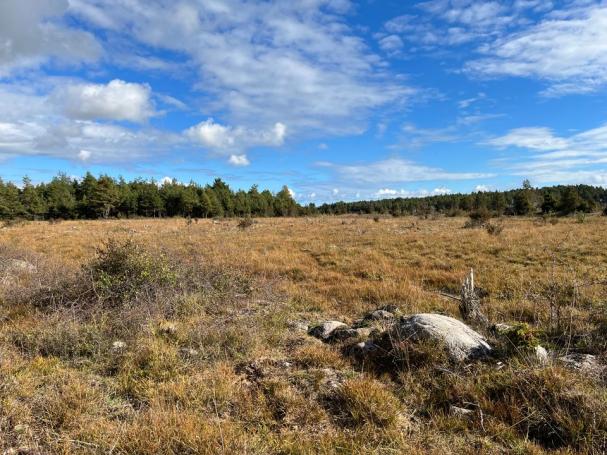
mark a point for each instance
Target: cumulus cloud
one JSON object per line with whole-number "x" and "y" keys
{"x": 32, "y": 33}
{"x": 117, "y": 100}
{"x": 227, "y": 140}
{"x": 31, "y": 123}
{"x": 239, "y": 160}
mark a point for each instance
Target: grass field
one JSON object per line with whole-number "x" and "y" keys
{"x": 203, "y": 350}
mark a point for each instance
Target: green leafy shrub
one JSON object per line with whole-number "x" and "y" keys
{"x": 520, "y": 336}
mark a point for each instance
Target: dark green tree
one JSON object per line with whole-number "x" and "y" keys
{"x": 32, "y": 200}
{"x": 570, "y": 201}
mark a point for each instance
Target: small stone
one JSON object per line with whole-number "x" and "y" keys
{"x": 379, "y": 315}
{"x": 118, "y": 346}
{"x": 299, "y": 326}
{"x": 586, "y": 363}
{"x": 460, "y": 412}
{"x": 346, "y": 333}
{"x": 541, "y": 354}
{"x": 324, "y": 330}
{"x": 391, "y": 308}
{"x": 365, "y": 349}
{"x": 500, "y": 329}
{"x": 168, "y": 328}
{"x": 20, "y": 428}
{"x": 188, "y": 352}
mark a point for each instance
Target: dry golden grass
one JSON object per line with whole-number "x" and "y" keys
{"x": 220, "y": 367}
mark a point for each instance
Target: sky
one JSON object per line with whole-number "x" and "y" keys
{"x": 337, "y": 99}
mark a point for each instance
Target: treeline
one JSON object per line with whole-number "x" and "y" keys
{"x": 557, "y": 200}
{"x": 105, "y": 197}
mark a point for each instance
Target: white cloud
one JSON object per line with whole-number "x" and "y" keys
{"x": 396, "y": 170}
{"x": 117, "y": 100}
{"x": 441, "y": 191}
{"x": 226, "y": 140}
{"x": 578, "y": 158}
{"x": 388, "y": 193}
{"x": 482, "y": 188}
{"x": 536, "y": 138}
{"x": 261, "y": 61}
{"x": 391, "y": 43}
{"x": 31, "y": 34}
{"x": 84, "y": 155}
{"x": 567, "y": 48}
{"x": 239, "y": 160}
{"x": 213, "y": 135}
{"x": 31, "y": 123}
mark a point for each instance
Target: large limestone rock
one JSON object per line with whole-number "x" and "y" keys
{"x": 461, "y": 342}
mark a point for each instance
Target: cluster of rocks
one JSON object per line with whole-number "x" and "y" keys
{"x": 460, "y": 341}
{"x": 367, "y": 337}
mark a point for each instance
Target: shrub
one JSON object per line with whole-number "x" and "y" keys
{"x": 478, "y": 218}
{"x": 519, "y": 337}
{"x": 245, "y": 223}
{"x": 376, "y": 219}
{"x": 494, "y": 228}
{"x": 14, "y": 222}
{"x": 124, "y": 269}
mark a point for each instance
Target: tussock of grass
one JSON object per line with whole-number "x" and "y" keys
{"x": 366, "y": 401}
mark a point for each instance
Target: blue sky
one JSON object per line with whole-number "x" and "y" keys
{"x": 339, "y": 100}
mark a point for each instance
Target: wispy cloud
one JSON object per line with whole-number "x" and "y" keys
{"x": 567, "y": 48}
{"x": 396, "y": 170}
{"x": 297, "y": 63}
{"x": 579, "y": 158}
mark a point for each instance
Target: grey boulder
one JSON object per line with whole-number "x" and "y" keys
{"x": 462, "y": 343}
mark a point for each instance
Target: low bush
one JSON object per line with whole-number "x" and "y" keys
{"x": 123, "y": 269}
{"x": 246, "y": 223}
{"x": 494, "y": 228}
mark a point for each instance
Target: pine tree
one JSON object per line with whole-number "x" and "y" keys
{"x": 10, "y": 203}
{"x": 549, "y": 203}
{"x": 32, "y": 201}
{"x": 569, "y": 201}
{"x": 284, "y": 204}
{"x": 61, "y": 198}
{"x": 105, "y": 197}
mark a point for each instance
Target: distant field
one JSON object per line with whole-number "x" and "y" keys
{"x": 214, "y": 360}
